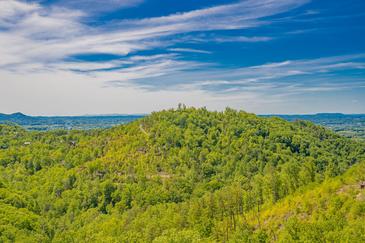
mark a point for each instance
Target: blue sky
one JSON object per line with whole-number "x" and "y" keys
{"x": 66, "y": 57}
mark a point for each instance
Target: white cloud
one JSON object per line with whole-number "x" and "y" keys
{"x": 190, "y": 50}
{"x": 35, "y": 33}
{"x": 11, "y": 10}
{"x": 273, "y": 82}
{"x": 95, "y": 6}
{"x": 242, "y": 39}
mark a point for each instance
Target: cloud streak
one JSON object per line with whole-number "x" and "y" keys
{"x": 189, "y": 50}
{"x": 34, "y": 33}
{"x": 289, "y": 77}
{"x": 96, "y": 6}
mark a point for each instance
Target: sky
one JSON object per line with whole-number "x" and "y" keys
{"x": 67, "y": 57}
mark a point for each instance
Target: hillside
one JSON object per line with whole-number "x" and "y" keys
{"x": 180, "y": 175}
{"x": 333, "y": 211}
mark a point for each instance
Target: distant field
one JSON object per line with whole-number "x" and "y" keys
{"x": 347, "y": 125}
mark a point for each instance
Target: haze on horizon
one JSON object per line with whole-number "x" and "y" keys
{"x": 64, "y": 57}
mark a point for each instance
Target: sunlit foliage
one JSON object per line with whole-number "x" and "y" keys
{"x": 184, "y": 175}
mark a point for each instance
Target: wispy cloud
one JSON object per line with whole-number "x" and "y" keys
{"x": 189, "y": 50}
{"x": 287, "y": 77}
{"x": 213, "y": 38}
{"x": 242, "y": 39}
{"x": 97, "y": 5}
{"x": 34, "y": 33}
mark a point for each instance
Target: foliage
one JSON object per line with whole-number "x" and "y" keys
{"x": 185, "y": 175}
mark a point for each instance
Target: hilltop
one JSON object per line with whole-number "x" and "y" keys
{"x": 184, "y": 175}
{"x": 17, "y": 115}
{"x": 349, "y": 125}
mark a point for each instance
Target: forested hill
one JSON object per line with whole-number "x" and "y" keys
{"x": 185, "y": 175}
{"x": 348, "y": 125}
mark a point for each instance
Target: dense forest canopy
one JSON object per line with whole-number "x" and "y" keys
{"x": 184, "y": 175}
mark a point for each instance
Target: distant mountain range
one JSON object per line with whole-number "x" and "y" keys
{"x": 19, "y": 115}
{"x": 321, "y": 117}
{"x": 66, "y": 122}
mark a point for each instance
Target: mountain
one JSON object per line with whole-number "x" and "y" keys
{"x": 44, "y": 123}
{"x": 17, "y": 115}
{"x": 329, "y": 114}
{"x": 185, "y": 175}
